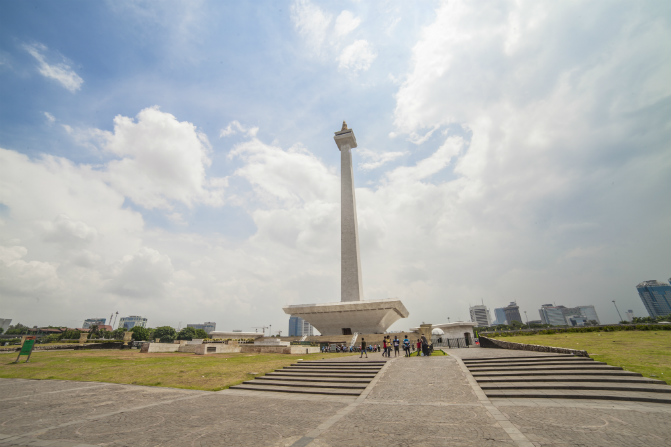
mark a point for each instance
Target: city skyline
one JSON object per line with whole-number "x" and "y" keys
{"x": 175, "y": 160}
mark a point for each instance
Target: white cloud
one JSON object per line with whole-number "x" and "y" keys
{"x": 357, "y": 57}
{"x": 50, "y": 118}
{"x": 346, "y": 23}
{"x": 377, "y": 159}
{"x": 61, "y": 72}
{"x": 162, "y": 161}
{"x": 235, "y": 127}
{"x": 312, "y": 24}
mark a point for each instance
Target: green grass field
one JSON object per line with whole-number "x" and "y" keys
{"x": 212, "y": 372}
{"x": 645, "y": 352}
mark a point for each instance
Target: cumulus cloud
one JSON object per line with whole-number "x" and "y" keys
{"x": 235, "y": 127}
{"x": 346, "y": 23}
{"x": 61, "y": 71}
{"x": 50, "y": 118}
{"x": 357, "y": 57}
{"x": 324, "y": 36}
{"x": 312, "y": 23}
{"x": 161, "y": 161}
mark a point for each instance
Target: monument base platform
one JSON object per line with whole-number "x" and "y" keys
{"x": 348, "y": 317}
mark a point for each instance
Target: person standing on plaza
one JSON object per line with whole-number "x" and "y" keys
{"x": 384, "y": 346}
{"x": 363, "y": 348}
{"x": 406, "y": 346}
{"x": 397, "y": 344}
{"x": 419, "y": 347}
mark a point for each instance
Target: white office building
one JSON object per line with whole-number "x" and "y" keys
{"x": 132, "y": 321}
{"x": 480, "y": 315}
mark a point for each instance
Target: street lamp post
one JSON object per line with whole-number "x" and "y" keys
{"x": 618, "y": 311}
{"x": 527, "y": 317}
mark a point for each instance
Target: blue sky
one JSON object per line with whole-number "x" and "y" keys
{"x": 175, "y": 159}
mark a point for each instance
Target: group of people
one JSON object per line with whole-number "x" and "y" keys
{"x": 423, "y": 346}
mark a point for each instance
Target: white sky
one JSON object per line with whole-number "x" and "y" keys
{"x": 175, "y": 160}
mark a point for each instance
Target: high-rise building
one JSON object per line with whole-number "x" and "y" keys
{"x": 480, "y": 315}
{"x": 500, "y": 315}
{"x": 512, "y": 311}
{"x": 552, "y": 315}
{"x": 656, "y": 297}
{"x": 93, "y": 322}
{"x": 132, "y": 321}
{"x": 5, "y": 323}
{"x": 208, "y": 326}
{"x": 299, "y": 327}
{"x": 562, "y": 315}
{"x": 589, "y": 313}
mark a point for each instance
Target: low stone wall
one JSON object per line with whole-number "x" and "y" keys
{"x": 159, "y": 347}
{"x": 500, "y": 344}
{"x": 70, "y": 346}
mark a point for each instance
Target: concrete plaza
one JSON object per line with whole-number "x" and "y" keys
{"x": 415, "y": 401}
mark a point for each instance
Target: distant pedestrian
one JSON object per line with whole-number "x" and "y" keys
{"x": 384, "y": 346}
{"x": 363, "y": 348}
{"x": 419, "y": 347}
{"x": 397, "y": 344}
{"x": 406, "y": 346}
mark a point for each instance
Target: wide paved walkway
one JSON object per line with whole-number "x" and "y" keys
{"x": 413, "y": 402}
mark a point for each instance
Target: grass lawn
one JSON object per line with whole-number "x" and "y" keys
{"x": 211, "y": 372}
{"x": 645, "y": 352}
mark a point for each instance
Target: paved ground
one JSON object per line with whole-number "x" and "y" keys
{"x": 412, "y": 402}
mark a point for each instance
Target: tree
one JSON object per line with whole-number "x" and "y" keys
{"x": 1, "y": 330}
{"x": 141, "y": 333}
{"x": 166, "y": 334}
{"x": 188, "y": 333}
{"x": 117, "y": 334}
{"x": 200, "y": 333}
{"x": 70, "y": 334}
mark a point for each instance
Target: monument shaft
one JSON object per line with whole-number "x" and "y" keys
{"x": 351, "y": 287}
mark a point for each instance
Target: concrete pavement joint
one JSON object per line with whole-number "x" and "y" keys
{"x": 513, "y": 432}
{"x": 58, "y": 391}
{"x": 102, "y": 416}
{"x": 311, "y": 435}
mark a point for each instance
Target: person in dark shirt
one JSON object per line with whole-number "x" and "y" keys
{"x": 363, "y": 348}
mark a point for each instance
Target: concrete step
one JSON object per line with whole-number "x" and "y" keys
{"x": 648, "y": 388}
{"x": 345, "y": 368}
{"x": 529, "y": 358}
{"x": 336, "y": 365}
{"x": 330, "y": 375}
{"x": 568, "y": 378}
{"x": 634, "y": 396}
{"x": 340, "y": 386}
{"x": 284, "y": 389}
{"x": 359, "y": 362}
{"x": 596, "y": 367}
{"x": 314, "y": 379}
{"x": 534, "y": 364}
{"x": 552, "y": 372}
{"x": 326, "y": 371}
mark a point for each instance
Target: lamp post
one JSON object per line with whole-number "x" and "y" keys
{"x": 527, "y": 317}
{"x": 618, "y": 311}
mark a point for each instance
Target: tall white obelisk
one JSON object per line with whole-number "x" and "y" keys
{"x": 351, "y": 288}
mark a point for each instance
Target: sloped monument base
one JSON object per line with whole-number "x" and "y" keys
{"x": 348, "y": 317}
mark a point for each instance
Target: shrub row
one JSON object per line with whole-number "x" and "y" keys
{"x": 628, "y": 327}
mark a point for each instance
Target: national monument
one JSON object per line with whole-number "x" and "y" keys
{"x": 353, "y": 313}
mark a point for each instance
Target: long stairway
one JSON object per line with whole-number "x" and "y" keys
{"x": 563, "y": 376}
{"x": 342, "y": 378}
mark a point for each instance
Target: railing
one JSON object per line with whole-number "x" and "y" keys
{"x": 303, "y": 338}
{"x": 451, "y": 343}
